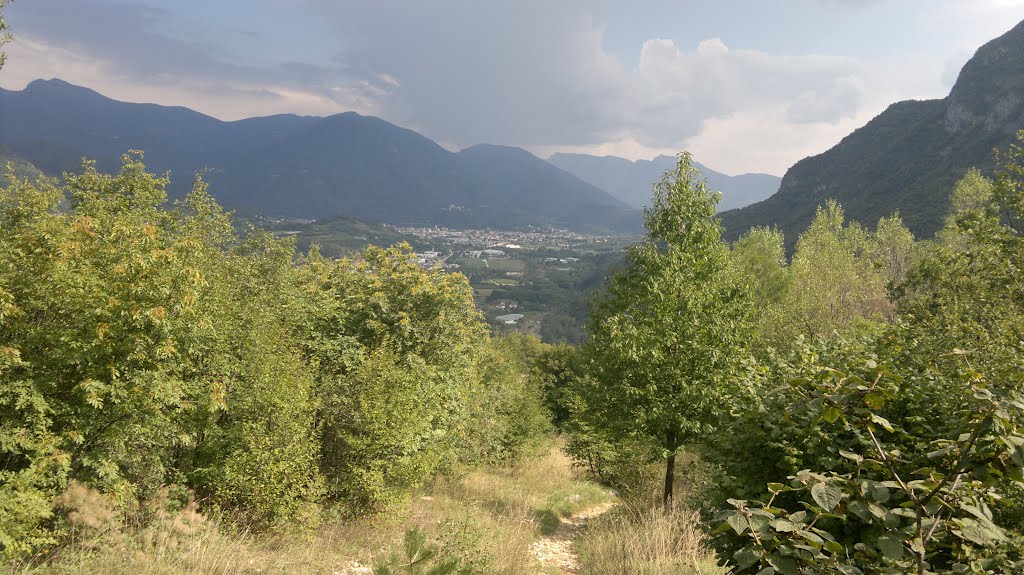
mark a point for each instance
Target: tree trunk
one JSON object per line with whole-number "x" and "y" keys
{"x": 670, "y": 470}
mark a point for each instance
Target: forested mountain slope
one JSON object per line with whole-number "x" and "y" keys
{"x": 910, "y": 155}
{"x": 306, "y": 167}
{"x": 632, "y": 181}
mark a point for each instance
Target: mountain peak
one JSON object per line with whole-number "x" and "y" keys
{"x": 987, "y": 92}
{"x": 909, "y": 157}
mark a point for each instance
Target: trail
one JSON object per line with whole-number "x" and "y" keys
{"x": 555, "y": 552}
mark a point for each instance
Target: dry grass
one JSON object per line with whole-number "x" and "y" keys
{"x": 488, "y": 517}
{"x": 645, "y": 541}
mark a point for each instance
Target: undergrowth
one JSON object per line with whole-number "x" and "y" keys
{"x": 486, "y": 519}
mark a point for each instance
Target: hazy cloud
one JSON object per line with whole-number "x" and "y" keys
{"x": 532, "y": 73}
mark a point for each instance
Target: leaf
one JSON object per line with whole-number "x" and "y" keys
{"x": 831, "y": 414}
{"x": 826, "y": 496}
{"x": 851, "y": 455}
{"x": 746, "y": 557}
{"x": 874, "y": 400}
{"x": 875, "y": 418}
{"x": 783, "y": 525}
{"x": 738, "y": 523}
{"x": 891, "y": 547}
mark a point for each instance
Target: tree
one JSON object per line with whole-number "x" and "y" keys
{"x": 668, "y": 336}
{"x": 833, "y": 286}
{"x": 759, "y": 258}
{"x": 4, "y": 36}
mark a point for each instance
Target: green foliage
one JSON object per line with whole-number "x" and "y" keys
{"x": 421, "y": 558}
{"x": 148, "y": 344}
{"x": 834, "y": 286}
{"x": 668, "y": 336}
{"x": 891, "y": 509}
{"x": 902, "y": 451}
{"x": 508, "y": 416}
{"x": 4, "y": 36}
{"x": 395, "y": 347}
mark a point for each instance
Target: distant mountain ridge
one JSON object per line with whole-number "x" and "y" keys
{"x": 908, "y": 157}
{"x": 632, "y": 181}
{"x": 307, "y": 167}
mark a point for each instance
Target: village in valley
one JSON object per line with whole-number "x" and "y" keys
{"x": 534, "y": 280}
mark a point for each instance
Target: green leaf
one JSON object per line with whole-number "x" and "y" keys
{"x": 832, "y": 414}
{"x": 882, "y": 421}
{"x": 891, "y": 547}
{"x": 851, "y": 455}
{"x": 738, "y": 523}
{"x": 874, "y": 400}
{"x": 746, "y": 557}
{"x": 826, "y": 496}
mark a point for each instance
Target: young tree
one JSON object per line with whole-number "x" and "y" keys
{"x": 4, "y": 36}
{"x": 668, "y": 337}
{"x": 834, "y": 287}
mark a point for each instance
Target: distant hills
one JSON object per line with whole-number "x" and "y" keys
{"x": 632, "y": 181}
{"x": 909, "y": 157}
{"x": 308, "y": 167}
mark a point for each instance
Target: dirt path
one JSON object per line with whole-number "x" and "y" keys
{"x": 555, "y": 552}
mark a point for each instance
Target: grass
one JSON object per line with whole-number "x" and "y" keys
{"x": 488, "y": 517}
{"x": 645, "y": 541}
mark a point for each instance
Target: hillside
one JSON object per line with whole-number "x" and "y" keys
{"x": 21, "y": 168}
{"x": 631, "y": 181}
{"x": 338, "y": 235}
{"x": 306, "y": 167}
{"x": 909, "y": 156}
{"x": 522, "y": 182}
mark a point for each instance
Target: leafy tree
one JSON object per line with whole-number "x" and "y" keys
{"x": 4, "y": 36}
{"x": 396, "y": 351}
{"x": 668, "y": 337}
{"x": 833, "y": 287}
{"x": 760, "y": 260}
{"x": 907, "y": 452}
{"x": 891, "y": 248}
{"x": 146, "y": 344}
{"x": 508, "y": 419}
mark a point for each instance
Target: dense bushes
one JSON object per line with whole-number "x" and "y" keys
{"x": 145, "y": 344}
{"x": 879, "y": 426}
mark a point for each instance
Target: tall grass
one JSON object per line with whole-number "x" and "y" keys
{"x": 486, "y": 517}
{"x": 645, "y": 540}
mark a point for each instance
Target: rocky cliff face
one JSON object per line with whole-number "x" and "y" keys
{"x": 908, "y": 157}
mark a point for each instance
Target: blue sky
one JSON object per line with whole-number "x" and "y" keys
{"x": 745, "y": 85}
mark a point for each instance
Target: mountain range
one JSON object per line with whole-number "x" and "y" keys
{"x": 631, "y": 181}
{"x": 308, "y": 167}
{"x": 908, "y": 157}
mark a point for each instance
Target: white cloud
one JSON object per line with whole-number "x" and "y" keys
{"x": 531, "y": 72}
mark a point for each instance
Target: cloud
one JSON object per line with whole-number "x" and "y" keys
{"x": 678, "y": 91}
{"x": 532, "y": 73}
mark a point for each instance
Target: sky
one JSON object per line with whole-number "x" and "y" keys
{"x": 745, "y": 85}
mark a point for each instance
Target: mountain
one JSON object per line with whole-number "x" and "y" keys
{"x": 522, "y": 181}
{"x": 338, "y": 235}
{"x": 631, "y": 181}
{"x": 306, "y": 167}
{"x": 21, "y": 168}
{"x": 908, "y": 157}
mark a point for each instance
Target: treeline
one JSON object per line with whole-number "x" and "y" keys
{"x": 855, "y": 408}
{"x": 149, "y": 351}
